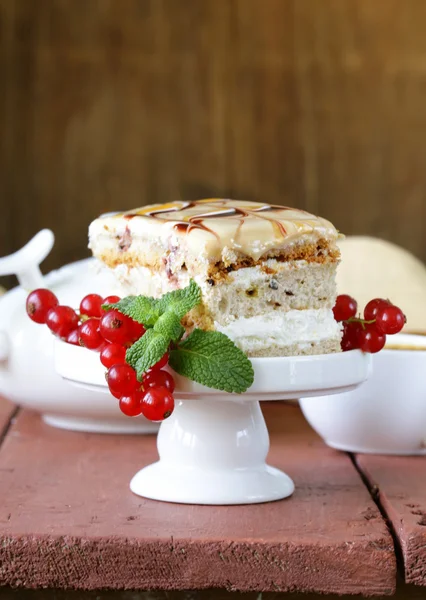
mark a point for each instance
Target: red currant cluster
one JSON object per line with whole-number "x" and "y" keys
{"x": 381, "y": 318}
{"x": 110, "y": 333}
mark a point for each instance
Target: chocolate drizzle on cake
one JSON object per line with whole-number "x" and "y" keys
{"x": 197, "y": 221}
{"x": 245, "y": 228}
{"x": 182, "y": 227}
{"x": 231, "y": 212}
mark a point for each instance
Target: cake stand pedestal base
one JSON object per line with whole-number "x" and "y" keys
{"x": 213, "y": 452}
{"x": 100, "y": 425}
{"x": 213, "y": 447}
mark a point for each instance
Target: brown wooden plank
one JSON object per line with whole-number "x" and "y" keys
{"x": 68, "y": 520}
{"x": 109, "y": 105}
{"x": 7, "y": 411}
{"x": 400, "y": 486}
{"x": 404, "y": 592}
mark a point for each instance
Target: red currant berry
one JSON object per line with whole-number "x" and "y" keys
{"x": 159, "y": 379}
{"x": 110, "y": 300}
{"x": 390, "y": 319}
{"x": 112, "y": 354}
{"x": 115, "y": 394}
{"x": 89, "y": 335}
{"x": 137, "y": 330}
{"x": 345, "y": 307}
{"x": 350, "y": 336}
{"x": 370, "y": 311}
{"x": 371, "y": 339}
{"x": 74, "y": 337}
{"x": 61, "y": 320}
{"x": 131, "y": 405}
{"x": 122, "y": 379}
{"x": 118, "y": 328}
{"x": 91, "y": 305}
{"x": 157, "y": 404}
{"x": 39, "y": 302}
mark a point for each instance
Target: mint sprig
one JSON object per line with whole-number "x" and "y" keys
{"x": 169, "y": 326}
{"x": 146, "y": 310}
{"x": 140, "y": 308}
{"x": 207, "y": 357}
{"x": 212, "y": 359}
{"x": 181, "y": 301}
{"x": 147, "y": 351}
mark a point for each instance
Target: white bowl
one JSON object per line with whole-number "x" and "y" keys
{"x": 387, "y": 415}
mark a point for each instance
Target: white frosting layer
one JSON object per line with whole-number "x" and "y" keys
{"x": 301, "y": 327}
{"x": 207, "y": 230}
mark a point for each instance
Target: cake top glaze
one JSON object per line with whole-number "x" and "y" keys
{"x": 209, "y": 226}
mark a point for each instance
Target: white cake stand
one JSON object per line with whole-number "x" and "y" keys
{"x": 214, "y": 446}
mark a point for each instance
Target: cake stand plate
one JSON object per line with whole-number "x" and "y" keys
{"x": 213, "y": 448}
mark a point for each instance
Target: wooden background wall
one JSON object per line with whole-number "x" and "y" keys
{"x": 110, "y": 104}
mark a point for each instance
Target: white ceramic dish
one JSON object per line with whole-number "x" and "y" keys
{"x": 27, "y": 375}
{"x": 214, "y": 446}
{"x": 387, "y": 415}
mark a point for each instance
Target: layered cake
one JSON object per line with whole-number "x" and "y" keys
{"x": 267, "y": 273}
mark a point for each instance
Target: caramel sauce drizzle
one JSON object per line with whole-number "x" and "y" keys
{"x": 154, "y": 213}
{"x": 197, "y": 221}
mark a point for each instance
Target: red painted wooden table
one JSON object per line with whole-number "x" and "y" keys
{"x": 69, "y": 521}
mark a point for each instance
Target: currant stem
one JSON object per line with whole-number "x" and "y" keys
{"x": 360, "y": 320}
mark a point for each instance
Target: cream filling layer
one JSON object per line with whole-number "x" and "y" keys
{"x": 301, "y": 327}
{"x": 142, "y": 280}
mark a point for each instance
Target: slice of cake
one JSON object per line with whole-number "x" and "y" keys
{"x": 267, "y": 273}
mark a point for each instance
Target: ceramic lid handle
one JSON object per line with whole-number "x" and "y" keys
{"x": 25, "y": 262}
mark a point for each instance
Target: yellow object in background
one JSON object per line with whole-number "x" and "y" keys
{"x": 374, "y": 268}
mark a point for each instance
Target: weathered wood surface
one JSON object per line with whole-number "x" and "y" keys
{"x": 111, "y": 105}
{"x": 400, "y": 486}
{"x": 403, "y": 592}
{"x": 7, "y": 410}
{"x": 68, "y": 520}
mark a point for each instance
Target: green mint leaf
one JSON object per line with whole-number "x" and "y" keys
{"x": 119, "y": 305}
{"x": 147, "y": 310}
{"x": 140, "y": 308}
{"x": 212, "y": 359}
{"x": 181, "y": 301}
{"x": 169, "y": 326}
{"x": 147, "y": 351}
